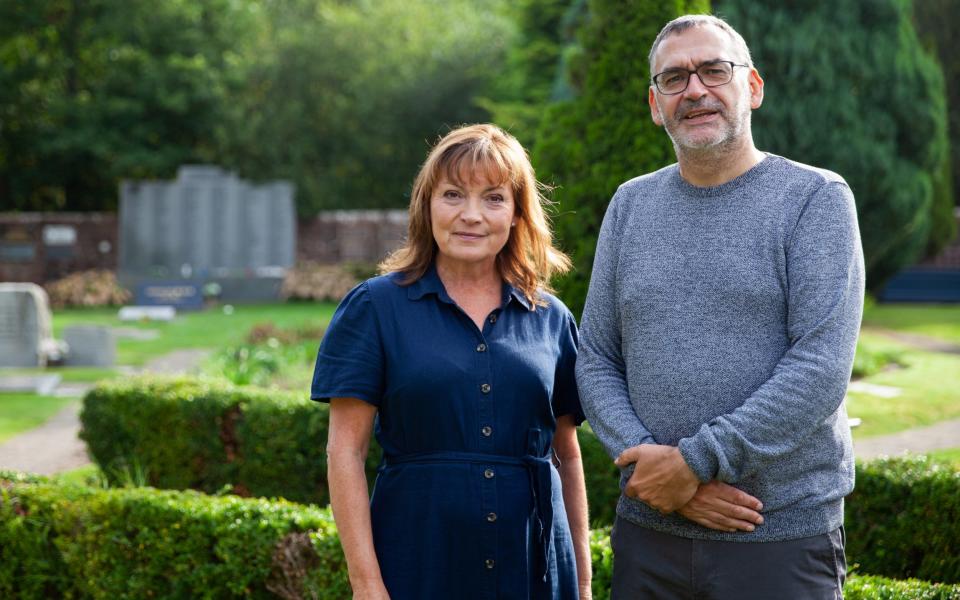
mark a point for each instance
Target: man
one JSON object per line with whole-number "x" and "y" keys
{"x": 717, "y": 342}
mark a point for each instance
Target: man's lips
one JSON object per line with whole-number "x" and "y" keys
{"x": 698, "y": 114}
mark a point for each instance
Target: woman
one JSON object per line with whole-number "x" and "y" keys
{"x": 464, "y": 363}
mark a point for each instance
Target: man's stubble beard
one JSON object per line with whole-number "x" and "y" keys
{"x": 720, "y": 147}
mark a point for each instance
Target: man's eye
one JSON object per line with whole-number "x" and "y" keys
{"x": 671, "y": 78}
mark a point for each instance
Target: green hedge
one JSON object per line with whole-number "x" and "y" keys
{"x": 68, "y": 541}
{"x": 188, "y": 433}
{"x": 903, "y": 519}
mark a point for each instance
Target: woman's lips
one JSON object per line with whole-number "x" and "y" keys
{"x": 468, "y": 236}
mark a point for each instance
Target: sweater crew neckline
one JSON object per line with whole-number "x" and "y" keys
{"x": 756, "y": 171}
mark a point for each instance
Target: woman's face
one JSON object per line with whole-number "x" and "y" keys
{"x": 471, "y": 220}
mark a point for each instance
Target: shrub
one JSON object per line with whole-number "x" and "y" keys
{"x": 313, "y": 281}
{"x": 87, "y": 288}
{"x": 61, "y": 541}
{"x": 903, "y": 519}
{"x": 71, "y": 541}
{"x": 202, "y": 434}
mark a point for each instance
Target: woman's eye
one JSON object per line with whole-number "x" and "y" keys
{"x": 451, "y": 194}
{"x": 495, "y": 198}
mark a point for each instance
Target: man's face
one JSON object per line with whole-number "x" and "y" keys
{"x": 701, "y": 117}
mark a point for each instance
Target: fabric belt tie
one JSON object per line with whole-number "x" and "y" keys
{"x": 541, "y": 486}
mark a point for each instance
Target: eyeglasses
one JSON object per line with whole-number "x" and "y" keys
{"x": 712, "y": 74}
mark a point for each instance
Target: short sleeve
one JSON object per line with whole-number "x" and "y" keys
{"x": 566, "y": 398}
{"x": 350, "y": 359}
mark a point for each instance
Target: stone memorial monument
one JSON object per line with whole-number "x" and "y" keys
{"x": 207, "y": 226}
{"x": 26, "y": 330}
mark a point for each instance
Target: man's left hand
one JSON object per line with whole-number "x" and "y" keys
{"x": 661, "y": 477}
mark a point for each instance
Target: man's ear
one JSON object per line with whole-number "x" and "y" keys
{"x": 654, "y": 109}
{"x": 756, "y": 88}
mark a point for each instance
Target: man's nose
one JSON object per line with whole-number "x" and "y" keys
{"x": 695, "y": 87}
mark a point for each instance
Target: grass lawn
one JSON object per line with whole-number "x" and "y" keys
{"x": 211, "y": 328}
{"x": 930, "y": 391}
{"x": 949, "y": 456}
{"x": 21, "y": 412}
{"x": 941, "y": 321}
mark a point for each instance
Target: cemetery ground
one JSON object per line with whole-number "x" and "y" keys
{"x": 907, "y": 375}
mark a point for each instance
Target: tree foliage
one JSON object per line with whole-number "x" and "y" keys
{"x": 345, "y": 98}
{"x": 590, "y": 145}
{"x": 94, "y": 91}
{"x": 342, "y": 97}
{"x": 935, "y": 20}
{"x": 850, "y": 88}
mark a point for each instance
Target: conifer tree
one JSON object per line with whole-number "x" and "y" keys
{"x": 849, "y": 87}
{"x": 588, "y": 146}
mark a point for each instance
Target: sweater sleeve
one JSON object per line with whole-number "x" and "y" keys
{"x": 825, "y": 279}
{"x": 601, "y": 370}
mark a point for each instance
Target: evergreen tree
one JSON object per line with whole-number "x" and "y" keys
{"x": 850, "y": 88}
{"x": 935, "y": 20}
{"x": 590, "y": 145}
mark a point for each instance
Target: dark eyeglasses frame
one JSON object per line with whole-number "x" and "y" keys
{"x": 692, "y": 72}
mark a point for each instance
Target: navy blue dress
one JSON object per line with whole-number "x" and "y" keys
{"x": 467, "y": 502}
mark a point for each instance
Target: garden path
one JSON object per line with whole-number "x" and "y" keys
{"x": 54, "y": 446}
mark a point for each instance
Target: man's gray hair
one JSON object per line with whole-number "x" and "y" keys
{"x": 681, "y": 24}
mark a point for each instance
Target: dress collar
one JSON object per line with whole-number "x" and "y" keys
{"x": 430, "y": 283}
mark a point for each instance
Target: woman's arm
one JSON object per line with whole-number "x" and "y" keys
{"x": 351, "y": 421}
{"x": 567, "y": 448}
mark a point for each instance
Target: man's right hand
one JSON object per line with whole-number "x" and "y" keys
{"x": 720, "y": 506}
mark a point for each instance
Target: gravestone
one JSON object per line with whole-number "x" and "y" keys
{"x": 90, "y": 346}
{"x": 26, "y": 338}
{"x": 207, "y": 226}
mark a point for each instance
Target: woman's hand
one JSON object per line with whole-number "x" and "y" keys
{"x": 723, "y": 507}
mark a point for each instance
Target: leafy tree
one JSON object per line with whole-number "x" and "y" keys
{"x": 97, "y": 90}
{"x": 850, "y": 88}
{"x": 345, "y": 98}
{"x": 590, "y": 145}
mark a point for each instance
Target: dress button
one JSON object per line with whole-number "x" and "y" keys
{"x": 486, "y": 430}
{"x": 493, "y": 318}
{"x": 491, "y": 517}
{"x": 488, "y": 473}
{"x": 485, "y": 388}
{"x": 482, "y": 348}
{"x": 489, "y": 563}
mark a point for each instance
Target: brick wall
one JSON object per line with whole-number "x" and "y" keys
{"x": 42, "y": 247}
{"x": 362, "y": 236}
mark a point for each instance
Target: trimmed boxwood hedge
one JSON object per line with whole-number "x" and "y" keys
{"x": 903, "y": 519}
{"x": 68, "y": 541}
{"x": 190, "y": 433}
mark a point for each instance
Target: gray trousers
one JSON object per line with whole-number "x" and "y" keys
{"x": 650, "y": 564}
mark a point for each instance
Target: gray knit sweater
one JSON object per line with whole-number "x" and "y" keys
{"x": 724, "y": 321}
